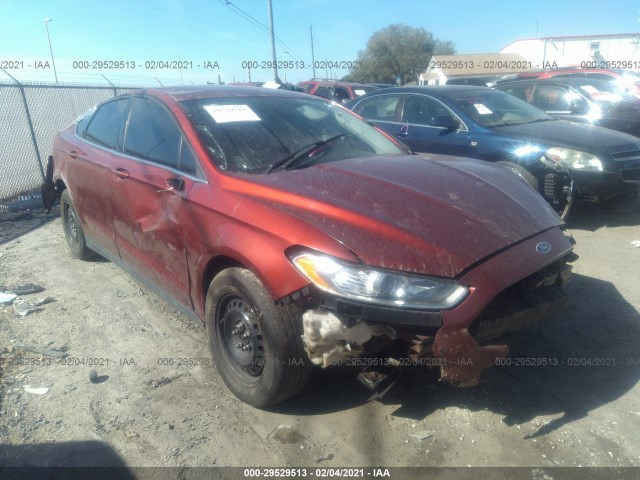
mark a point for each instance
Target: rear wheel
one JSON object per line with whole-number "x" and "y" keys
{"x": 72, "y": 229}
{"x": 256, "y": 344}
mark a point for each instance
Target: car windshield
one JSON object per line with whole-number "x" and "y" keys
{"x": 259, "y": 134}
{"x": 491, "y": 108}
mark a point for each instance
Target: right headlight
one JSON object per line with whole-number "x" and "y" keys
{"x": 383, "y": 287}
{"x": 574, "y": 159}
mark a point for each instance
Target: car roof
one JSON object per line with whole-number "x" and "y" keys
{"x": 194, "y": 92}
{"x": 339, "y": 83}
{"x": 430, "y": 89}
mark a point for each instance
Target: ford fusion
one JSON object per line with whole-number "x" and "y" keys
{"x": 301, "y": 235}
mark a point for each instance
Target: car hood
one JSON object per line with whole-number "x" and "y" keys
{"x": 564, "y": 133}
{"x": 421, "y": 214}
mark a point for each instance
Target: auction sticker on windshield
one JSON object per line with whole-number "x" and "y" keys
{"x": 482, "y": 109}
{"x": 231, "y": 113}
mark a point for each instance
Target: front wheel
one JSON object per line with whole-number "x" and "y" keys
{"x": 560, "y": 197}
{"x": 565, "y": 204}
{"x": 256, "y": 344}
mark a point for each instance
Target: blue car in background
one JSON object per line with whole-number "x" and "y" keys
{"x": 562, "y": 160}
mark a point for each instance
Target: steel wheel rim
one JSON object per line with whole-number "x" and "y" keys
{"x": 241, "y": 336}
{"x": 71, "y": 223}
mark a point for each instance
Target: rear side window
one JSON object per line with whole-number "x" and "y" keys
{"x": 553, "y": 99}
{"x": 308, "y": 87}
{"x": 523, "y": 92}
{"x": 341, "y": 95}
{"x": 324, "y": 92}
{"x": 152, "y": 133}
{"x": 378, "y": 108}
{"x": 105, "y": 127}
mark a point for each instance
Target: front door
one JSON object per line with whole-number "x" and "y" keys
{"x": 150, "y": 187}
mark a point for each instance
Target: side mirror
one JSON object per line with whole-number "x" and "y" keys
{"x": 446, "y": 121}
{"x": 579, "y": 106}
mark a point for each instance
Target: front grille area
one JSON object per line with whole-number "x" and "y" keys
{"x": 525, "y": 304}
{"x": 624, "y": 156}
{"x": 630, "y": 175}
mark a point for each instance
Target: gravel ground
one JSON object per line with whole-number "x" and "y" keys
{"x": 156, "y": 400}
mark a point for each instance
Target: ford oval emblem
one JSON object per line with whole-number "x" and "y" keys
{"x": 543, "y": 247}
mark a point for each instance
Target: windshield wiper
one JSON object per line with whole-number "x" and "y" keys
{"x": 511, "y": 124}
{"x": 293, "y": 158}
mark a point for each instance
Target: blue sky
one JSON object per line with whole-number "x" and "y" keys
{"x": 200, "y": 31}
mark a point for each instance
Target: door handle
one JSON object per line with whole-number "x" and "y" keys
{"x": 120, "y": 172}
{"x": 404, "y": 131}
{"x": 73, "y": 154}
{"x": 173, "y": 184}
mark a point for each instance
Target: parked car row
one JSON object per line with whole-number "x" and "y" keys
{"x": 562, "y": 160}
{"x": 302, "y": 235}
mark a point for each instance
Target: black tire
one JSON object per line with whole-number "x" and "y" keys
{"x": 241, "y": 313}
{"x": 566, "y": 205}
{"x": 563, "y": 209}
{"x": 72, "y": 229}
{"x": 522, "y": 172}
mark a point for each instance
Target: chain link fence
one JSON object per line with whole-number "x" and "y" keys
{"x": 30, "y": 116}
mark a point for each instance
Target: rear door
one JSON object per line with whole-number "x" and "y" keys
{"x": 89, "y": 165}
{"x": 150, "y": 184}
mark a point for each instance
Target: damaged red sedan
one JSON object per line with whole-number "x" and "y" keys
{"x": 301, "y": 235}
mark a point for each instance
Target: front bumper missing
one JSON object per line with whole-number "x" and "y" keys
{"x": 501, "y": 301}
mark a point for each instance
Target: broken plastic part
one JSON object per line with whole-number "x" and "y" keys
{"x": 35, "y": 390}
{"x": 7, "y": 297}
{"x": 327, "y": 340}
{"x": 23, "y": 308}
{"x": 462, "y": 358}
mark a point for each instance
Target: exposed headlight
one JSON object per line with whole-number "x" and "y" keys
{"x": 376, "y": 286}
{"x": 574, "y": 159}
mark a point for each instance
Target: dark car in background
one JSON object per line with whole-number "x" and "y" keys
{"x": 381, "y": 85}
{"x": 300, "y": 234}
{"x": 560, "y": 159}
{"x": 629, "y": 81}
{"x": 340, "y": 92}
{"x": 581, "y": 100}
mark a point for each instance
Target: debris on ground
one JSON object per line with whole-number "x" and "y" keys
{"x": 7, "y": 297}
{"x": 35, "y": 390}
{"x": 93, "y": 376}
{"x": 26, "y": 289}
{"x": 60, "y": 353}
{"x": 423, "y": 435}
{"x": 23, "y": 308}
{"x": 322, "y": 459}
{"x": 287, "y": 435}
{"x": 636, "y": 243}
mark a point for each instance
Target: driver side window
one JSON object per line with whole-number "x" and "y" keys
{"x": 420, "y": 110}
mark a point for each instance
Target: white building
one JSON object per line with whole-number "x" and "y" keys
{"x": 619, "y": 51}
{"x": 443, "y": 68}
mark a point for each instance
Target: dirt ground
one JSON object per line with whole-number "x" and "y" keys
{"x": 156, "y": 400}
